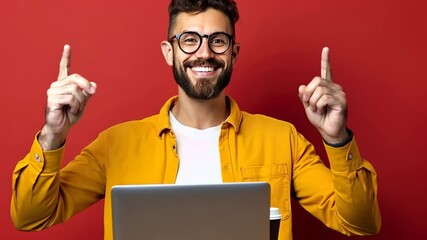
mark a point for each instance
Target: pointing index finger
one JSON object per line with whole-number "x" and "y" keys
{"x": 64, "y": 64}
{"x": 325, "y": 72}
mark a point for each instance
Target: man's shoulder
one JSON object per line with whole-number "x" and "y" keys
{"x": 255, "y": 122}
{"x": 135, "y": 126}
{"x": 264, "y": 122}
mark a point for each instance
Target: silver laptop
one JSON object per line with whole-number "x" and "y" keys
{"x": 229, "y": 211}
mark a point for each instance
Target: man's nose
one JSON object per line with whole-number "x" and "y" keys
{"x": 204, "y": 51}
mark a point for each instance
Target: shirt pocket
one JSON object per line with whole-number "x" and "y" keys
{"x": 278, "y": 178}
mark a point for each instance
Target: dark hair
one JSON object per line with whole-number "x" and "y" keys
{"x": 228, "y": 7}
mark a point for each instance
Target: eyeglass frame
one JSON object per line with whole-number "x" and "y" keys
{"x": 201, "y": 36}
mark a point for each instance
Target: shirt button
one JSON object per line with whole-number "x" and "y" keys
{"x": 350, "y": 156}
{"x": 38, "y": 159}
{"x": 226, "y": 168}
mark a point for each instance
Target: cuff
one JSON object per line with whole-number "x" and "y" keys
{"x": 344, "y": 159}
{"x": 46, "y": 161}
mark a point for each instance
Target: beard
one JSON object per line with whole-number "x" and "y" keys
{"x": 203, "y": 89}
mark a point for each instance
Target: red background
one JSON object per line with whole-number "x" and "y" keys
{"x": 377, "y": 54}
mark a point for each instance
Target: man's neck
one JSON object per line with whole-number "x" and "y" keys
{"x": 200, "y": 114}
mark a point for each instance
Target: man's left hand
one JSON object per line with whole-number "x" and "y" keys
{"x": 325, "y": 104}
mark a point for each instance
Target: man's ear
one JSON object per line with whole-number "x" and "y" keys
{"x": 236, "y": 50}
{"x": 167, "y": 51}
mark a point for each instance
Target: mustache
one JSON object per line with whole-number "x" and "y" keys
{"x": 204, "y": 62}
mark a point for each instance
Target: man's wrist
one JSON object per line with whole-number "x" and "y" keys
{"x": 346, "y": 141}
{"x": 49, "y": 141}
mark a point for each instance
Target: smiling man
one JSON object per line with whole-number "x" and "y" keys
{"x": 199, "y": 137}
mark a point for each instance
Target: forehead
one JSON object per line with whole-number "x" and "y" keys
{"x": 205, "y": 22}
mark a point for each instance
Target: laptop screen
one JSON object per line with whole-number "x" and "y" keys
{"x": 229, "y": 211}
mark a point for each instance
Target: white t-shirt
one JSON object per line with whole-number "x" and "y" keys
{"x": 198, "y": 153}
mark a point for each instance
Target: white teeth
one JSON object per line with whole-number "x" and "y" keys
{"x": 203, "y": 69}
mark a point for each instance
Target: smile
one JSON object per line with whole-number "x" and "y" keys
{"x": 203, "y": 69}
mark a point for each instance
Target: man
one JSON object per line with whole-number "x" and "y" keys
{"x": 231, "y": 146}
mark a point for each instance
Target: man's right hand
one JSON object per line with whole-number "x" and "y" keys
{"x": 66, "y": 100}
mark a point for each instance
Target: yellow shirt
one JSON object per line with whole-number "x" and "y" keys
{"x": 252, "y": 148}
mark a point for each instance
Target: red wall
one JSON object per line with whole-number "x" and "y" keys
{"x": 377, "y": 53}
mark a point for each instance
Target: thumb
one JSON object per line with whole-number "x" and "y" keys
{"x": 91, "y": 92}
{"x": 87, "y": 95}
{"x": 302, "y": 96}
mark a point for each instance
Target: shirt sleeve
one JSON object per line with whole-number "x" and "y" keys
{"x": 343, "y": 197}
{"x": 43, "y": 194}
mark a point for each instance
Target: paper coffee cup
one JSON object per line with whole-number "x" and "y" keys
{"x": 275, "y": 217}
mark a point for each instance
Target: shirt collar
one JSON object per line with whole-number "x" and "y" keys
{"x": 163, "y": 122}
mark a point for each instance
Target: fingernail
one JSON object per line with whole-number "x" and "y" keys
{"x": 304, "y": 98}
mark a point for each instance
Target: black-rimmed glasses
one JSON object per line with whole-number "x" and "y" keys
{"x": 190, "y": 42}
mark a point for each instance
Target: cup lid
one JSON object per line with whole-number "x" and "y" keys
{"x": 275, "y": 213}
